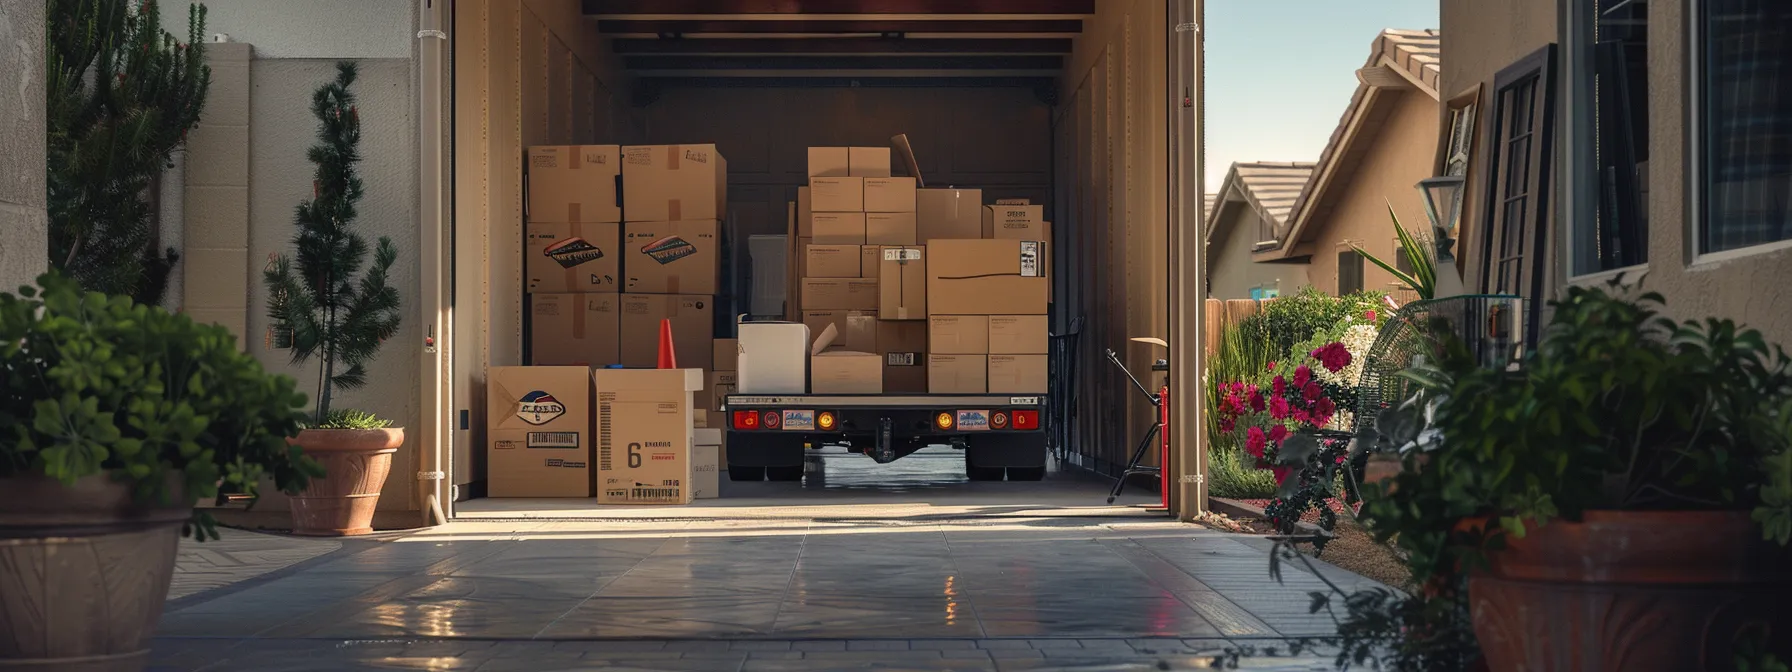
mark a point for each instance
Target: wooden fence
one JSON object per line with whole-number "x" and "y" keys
{"x": 1223, "y": 312}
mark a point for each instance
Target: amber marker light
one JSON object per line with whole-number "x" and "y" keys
{"x": 825, "y": 421}
{"x": 944, "y": 421}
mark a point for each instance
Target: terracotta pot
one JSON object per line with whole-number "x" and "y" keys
{"x": 1632, "y": 591}
{"x": 355, "y": 463}
{"x": 84, "y": 570}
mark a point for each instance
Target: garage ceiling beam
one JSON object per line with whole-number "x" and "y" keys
{"x": 842, "y": 45}
{"x": 650, "y": 63}
{"x": 834, "y": 26}
{"x": 660, "y": 7}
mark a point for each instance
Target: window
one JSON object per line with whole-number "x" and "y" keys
{"x": 1611, "y": 231}
{"x": 1350, "y": 272}
{"x": 1744, "y": 122}
{"x": 1517, "y": 208}
{"x": 1401, "y": 263}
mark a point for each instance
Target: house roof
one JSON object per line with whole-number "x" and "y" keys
{"x": 1269, "y": 187}
{"x": 1399, "y": 61}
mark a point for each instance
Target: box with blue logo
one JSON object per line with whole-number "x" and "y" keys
{"x": 538, "y": 430}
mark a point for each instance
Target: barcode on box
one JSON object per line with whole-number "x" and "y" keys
{"x": 901, "y": 359}
{"x": 553, "y": 440}
{"x": 654, "y": 493}
{"x": 604, "y": 449}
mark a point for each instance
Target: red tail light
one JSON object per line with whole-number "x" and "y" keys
{"x": 1026, "y": 419}
{"x": 746, "y": 420}
{"x": 773, "y": 419}
{"x": 999, "y": 420}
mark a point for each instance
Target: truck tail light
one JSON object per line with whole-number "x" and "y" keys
{"x": 998, "y": 420}
{"x": 773, "y": 420}
{"x": 944, "y": 421}
{"x": 825, "y": 421}
{"x": 746, "y": 420}
{"x": 1026, "y": 419}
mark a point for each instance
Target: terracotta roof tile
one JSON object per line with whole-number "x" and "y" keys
{"x": 1270, "y": 187}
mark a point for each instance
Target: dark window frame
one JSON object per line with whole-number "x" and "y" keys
{"x": 1529, "y": 245}
{"x": 1349, "y": 259}
{"x": 1701, "y": 233}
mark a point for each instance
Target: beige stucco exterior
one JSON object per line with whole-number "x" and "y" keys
{"x": 24, "y": 249}
{"x": 1231, "y": 272}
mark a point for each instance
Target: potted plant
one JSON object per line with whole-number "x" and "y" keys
{"x": 115, "y": 418}
{"x": 326, "y": 309}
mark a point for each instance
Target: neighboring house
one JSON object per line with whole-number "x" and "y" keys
{"x": 1383, "y": 146}
{"x": 1616, "y": 136}
{"x": 1253, "y": 203}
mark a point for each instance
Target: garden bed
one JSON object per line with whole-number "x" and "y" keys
{"x": 1351, "y": 548}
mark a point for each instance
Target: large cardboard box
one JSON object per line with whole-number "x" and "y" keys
{"x": 693, "y": 329}
{"x": 727, "y": 355}
{"x": 958, "y": 335}
{"x": 869, "y": 161}
{"x": 834, "y": 261}
{"x": 575, "y": 329}
{"x": 644, "y": 434}
{"x": 890, "y": 228}
{"x": 829, "y": 162}
{"x": 721, "y": 384}
{"x": 672, "y": 183}
{"x": 1018, "y": 335}
{"x": 957, "y": 374}
{"x": 986, "y": 277}
{"x": 706, "y": 464}
{"x": 538, "y": 425}
{"x": 1014, "y": 222}
{"x": 954, "y": 214}
{"x": 903, "y": 345}
{"x": 840, "y": 294}
{"x": 774, "y": 358}
{"x": 889, "y": 194}
{"x": 1017, "y": 374}
{"x": 902, "y": 283}
{"x": 837, "y": 194}
{"x": 803, "y": 228}
{"x": 575, "y": 184}
{"x": 838, "y": 228}
{"x": 843, "y": 371}
{"x": 856, "y": 329}
{"x": 572, "y": 257}
{"x": 871, "y": 261}
{"x": 672, "y": 257}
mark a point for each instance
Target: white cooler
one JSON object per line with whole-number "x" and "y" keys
{"x": 774, "y": 358}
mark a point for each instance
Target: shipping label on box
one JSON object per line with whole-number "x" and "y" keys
{"x": 869, "y": 161}
{"x": 948, "y": 214}
{"x": 958, "y": 334}
{"x": 902, "y": 284}
{"x": 840, "y": 294}
{"x": 1014, "y": 222}
{"x": 693, "y": 329}
{"x": 1017, "y": 374}
{"x": 986, "y": 277}
{"x": 577, "y": 184}
{"x": 538, "y": 427}
{"x": 1018, "y": 335}
{"x": 575, "y": 329}
{"x": 957, "y": 374}
{"x": 834, "y": 261}
{"x": 890, "y": 228}
{"x": 857, "y": 330}
{"x": 671, "y": 183}
{"x": 644, "y": 434}
{"x": 829, "y": 162}
{"x": 838, "y": 228}
{"x": 837, "y": 194}
{"x": 903, "y": 345}
{"x": 672, "y": 257}
{"x": 727, "y": 355}
{"x": 561, "y": 257}
{"x": 889, "y": 194}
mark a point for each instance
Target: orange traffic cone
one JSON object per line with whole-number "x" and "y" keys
{"x": 668, "y": 359}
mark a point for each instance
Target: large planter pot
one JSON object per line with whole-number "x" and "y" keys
{"x": 1631, "y": 591}
{"x": 355, "y": 463}
{"x": 84, "y": 570}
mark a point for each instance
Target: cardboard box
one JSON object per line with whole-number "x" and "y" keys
{"x": 986, "y": 277}
{"x": 837, "y": 228}
{"x": 644, "y": 437}
{"x": 889, "y": 194}
{"x": 578, "y": 184}
{"x": 726, "y": 355}
{"x": 693, "y": 329}
{"x": 721, "y": 384}
{"x": 1018, "y": 335}
{"x": 955, "y": 214}
{"x": 774, "y": 358}
{"x": 902, "y": 283}
{"x": 890, "y": 228}
{"x": 903, "y": 345}
{"x": 672, "y": 183}
{"x": 568, "y": 257}
{"x": 837, "y": 194}
{"x": 829, "y": 162}
{"x": 834, "y": 261}
{"x": 801, "y": 263}
{"x": 1014, "y": 222}
{"x": 856, "y": 330}
{"x": 538, "y": 424}
{"x": 871, "y": 261}
{"x": 575, "y": 329}
{"x": 1017, "y": 374}
{"x": 957, "y": 374}
{"x": 706, "y": 465}
{"x": 958, "y": 335}
{"x": 803, "y": 229}
{"x": 840, "y": 294}
{"x": 868, "y": 161}
{"x": 843, "y": 371}
{"x": 672, "y": 257}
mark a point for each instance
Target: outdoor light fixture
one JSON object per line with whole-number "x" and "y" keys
{"x": 1443, "y": 204}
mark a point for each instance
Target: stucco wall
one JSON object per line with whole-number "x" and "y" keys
{"x": 24, "y": 249}
{"x": 1231, "y": 272}
{"x": 1398, "y": 156}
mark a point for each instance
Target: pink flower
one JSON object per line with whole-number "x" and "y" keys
{"x": 1281, "y": 473}
{"x": 1340, "y": 459}
{"x": 1370, "y": 315}
{"x": 1278, "y": 408}
{"x": 1302, "y": 374}
{"x": 1325, "y": 407}
{"x": 1272, "y": 366}
{"x": 1227, "y": 425}
{"x": 1311, "y": 392}
{"x": 1279, "y": 386}
{"x": 1334, "y": 356}
{"x": 1277, "y": 433}
{"x": 1256, "y": 401}
{"x": 1254, "y": 441}
{"x": 1300, "y": 415}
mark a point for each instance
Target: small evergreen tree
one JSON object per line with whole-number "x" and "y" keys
{"x": 121, "y": 96}
{"x": 320, "y": 309}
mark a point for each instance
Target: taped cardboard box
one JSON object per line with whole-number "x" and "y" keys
{"x": 563, "y": 257}
{"x": 889, "y": 194}
{"x": 856, "y": 329}
{"x": 957, "y": 374}
{"x": 840, "y": 294}
{"x": 538, "y": 428}
{"x": 829, "y": 162}
{"x": 706, "y": 464}
{"x": 986, "y": 277}
{"x": 834, "y": 261}
{"x": 575, "y": 329}
{"x": 726, "y": 355}
{"x": 958, "y": 335}
{"x": 1014, "y": 222}
{"x": 869, "y": 161}
{"x": 644, "y": 438}
{"x": 903, "y": 345}
{"x": 1018, "y": 335}
{"x": 837, "y": 194}
{"x": 803, "y": 228}
{"x": 672, "y": 183}
{"x": 871, "y": 261}
{"x": 721, "y": 384}
{"x": 837, "y": 228}
{"x": 578, "y": 184}
{"x": 902, "y": 283}
{"x": 693, "y": 329}
{"x": 890, "y": 228}
{"x": 672, "y": 257}
{"x": 1017, "y": 374}
{"x": 948, "y": 214}
{"x": 843, "y": 371}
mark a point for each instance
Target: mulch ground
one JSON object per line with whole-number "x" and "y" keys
{"x": 1311, "y": 516}
{"x": 1351, "y": 547}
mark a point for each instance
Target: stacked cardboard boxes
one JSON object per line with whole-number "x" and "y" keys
{"x": 572, "y": 263}
{"x": 987, "y": 330}
{"x": 674, "y": 201}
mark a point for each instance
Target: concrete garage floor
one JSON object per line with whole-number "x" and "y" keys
{"x": 923, "y": 571}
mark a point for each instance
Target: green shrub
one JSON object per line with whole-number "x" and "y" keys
{"x": 1231, "y": 473}
{"x": 92, "y": 384}
{"x": 1290, "y": 320}
{"x": 349, "y": 418}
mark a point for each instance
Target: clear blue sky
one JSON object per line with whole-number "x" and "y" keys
{"x": 1280, "y": 72}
